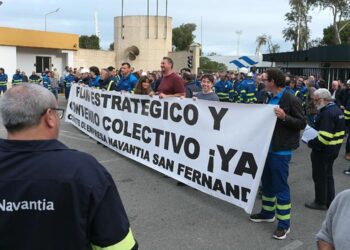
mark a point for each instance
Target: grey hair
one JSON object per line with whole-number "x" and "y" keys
{"x": 22, "y": 106}
{"x": 323, "y": 94}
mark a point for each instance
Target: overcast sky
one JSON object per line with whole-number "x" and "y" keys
{"x": 221, "y": 19}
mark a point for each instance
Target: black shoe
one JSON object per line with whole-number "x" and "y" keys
{"x": 261, "y": 218}
{"x": 281, "y": 233}
{"x": 347, "y": 172}
{"x": 316, "y": 206}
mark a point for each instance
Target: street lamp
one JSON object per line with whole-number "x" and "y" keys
{"x": 49, "y": 14}
{"x": 239, "y": 33}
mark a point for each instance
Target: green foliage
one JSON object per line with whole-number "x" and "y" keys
{"x": 183, "y": 36}
{"x": 208, "y": 65}
{"x": 329, "y": 34}
{"x": 298, "y": 31}
{"x": 89, "y": 42}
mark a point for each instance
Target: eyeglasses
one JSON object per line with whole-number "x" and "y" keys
{"x": 59, "y": 111}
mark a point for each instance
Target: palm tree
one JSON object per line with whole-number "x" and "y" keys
{"x": 261, "y": 40}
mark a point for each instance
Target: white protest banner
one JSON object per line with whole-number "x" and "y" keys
{"x": 217, "y": 148}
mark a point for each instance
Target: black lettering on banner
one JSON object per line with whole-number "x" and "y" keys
{"x": 177, "y": 144}
{"x": 126, "y": 132}
{"x": 155, "y": 109}
{"x": 145, "y": 107}
{"x": 173, "y": 116}
{"x": 105, "y": 119}
{"x": 246, "y": 159}
{"x": 126, "y": 105}
{"x": 211, "y": 160}
{"x": 244, "y": 194}
{"x": 78, "y": 91}
{"x": 226, "y": 157}
{"x": 217, "y": 116}
{"x": 196, "y": 148}
{"x": 97, "y": 98}
{"x": 136, "y": 104}
{"x": 116, "y": 102}
{"x": 93, "y": 98}
{"x": 136, "y": 132}
{"x": 163, "y": 162}
{"x": 166, "y": 140}
{"x": 118, "y": 123}
{"x": 194, "y": 118}
{"x": 105, "y": 97}
{"x": 144, "y": 138}
{"x": 165, "y": 110}
{"x": 158, "y": 133}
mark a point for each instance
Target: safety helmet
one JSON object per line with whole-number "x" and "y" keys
{"x": 250, "y": 74}
{"x": 243, "y": 71}
{"x": 84, "y": 70}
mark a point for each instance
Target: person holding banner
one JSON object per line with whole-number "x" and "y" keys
{"x": 171, "y": 84}
{"x": 276, "y": 200}
{"x": 53, "y": 197}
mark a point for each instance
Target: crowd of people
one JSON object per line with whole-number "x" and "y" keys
{"x": 301, "y": 100}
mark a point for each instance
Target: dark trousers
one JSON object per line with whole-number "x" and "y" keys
{"x": 322, "y": 174}
{"x": 347, "y": 149}
{"x": 3, "y": 89}
{"x": 66, "y": 92}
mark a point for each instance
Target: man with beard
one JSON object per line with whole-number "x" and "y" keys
{"x": 330, "y": 125}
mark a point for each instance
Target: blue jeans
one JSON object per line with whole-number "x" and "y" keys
{"x": 275, "y": 189}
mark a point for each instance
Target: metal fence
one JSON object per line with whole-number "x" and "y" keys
{"x": 327, "y": 74}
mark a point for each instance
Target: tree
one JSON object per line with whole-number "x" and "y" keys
{"x": 208, "y": 65}
{"x": 111, "y": 46}
{"x": 340, "y": 10}
{"x": 183, "y": 36}
{"x": 298, "y": 19}
{"x": 264, "y": 40}
{"x": 330, "y": 39}
{"x": 89, "y": 42}
{"x": 260, "y": 41}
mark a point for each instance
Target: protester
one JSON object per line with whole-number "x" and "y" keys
{"x": 261, "y": 88}
{"x": 85, "y": 77}
{"x": 334, "y": 233}
{"x": 207, "y": 92}
{"x": 17, "y": 78}
{"x": 3, "y": 81}
{"x": 128, "y": 80}
{"x": 190, "y": 85}
{"x": 336, "y": 92}
{"x": 72, "y": 192}
{"x": 143, "y": 87}
{"x": 330, "y": 125}
{"x": 68, "y": 81}
{"x": 34, "y": 78}
{"x": 46, "y": 81}
{"x": 171, "y": 84}
{"x": 275, "y": 189}
{"x": 247, "y": 87}
{"x": 107, "y": 81}
{"x": 95, "y": 77}
{"x": 310, "y": 108}
{"x": 54, "y": 84}
{"x": 24, "y": 77}
{"x": 224, "y": 88}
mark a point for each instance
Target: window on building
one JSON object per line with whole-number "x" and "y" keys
{"x": 42, "y": 62}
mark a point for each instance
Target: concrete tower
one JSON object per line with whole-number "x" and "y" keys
{"x": 142, "y": 40}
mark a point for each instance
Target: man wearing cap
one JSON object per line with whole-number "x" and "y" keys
{"x": 53, "y": 197}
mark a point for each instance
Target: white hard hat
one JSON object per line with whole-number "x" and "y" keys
{"x": 144, "y": 73}
{"x": 243, "y": 71}
{"x": 348, "y": 82}
{"x": 84, "y": 70}
{"x": 250, "y": 74}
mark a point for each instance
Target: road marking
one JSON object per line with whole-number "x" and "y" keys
{"x": 75, "y": 134}
{"x": 294, "y": 245}
{"x": 115, "y": 159}
{"x": 76, "y": 138}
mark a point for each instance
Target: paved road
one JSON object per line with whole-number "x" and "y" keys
{"x": 164, "y": 216}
